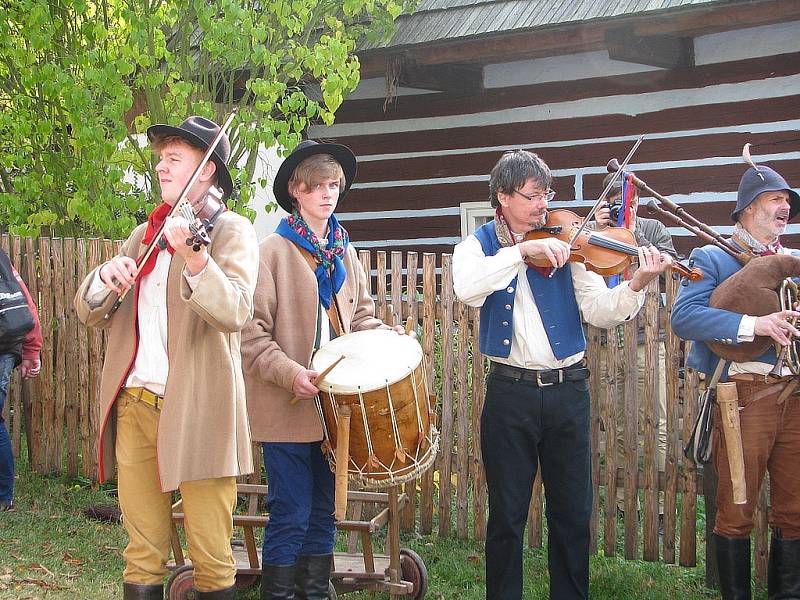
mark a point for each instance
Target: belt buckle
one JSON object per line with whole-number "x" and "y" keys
{"x": 541, "y": 383}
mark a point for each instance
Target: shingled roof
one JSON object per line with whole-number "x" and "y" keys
{"x": 448, "y": 20}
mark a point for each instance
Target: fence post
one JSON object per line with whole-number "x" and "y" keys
{"x": 428, "y": 353}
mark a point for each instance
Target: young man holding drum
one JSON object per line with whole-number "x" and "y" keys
{"x": 311, "y": 288}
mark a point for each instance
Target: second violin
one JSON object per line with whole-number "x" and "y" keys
{"x": 606, "y": 253}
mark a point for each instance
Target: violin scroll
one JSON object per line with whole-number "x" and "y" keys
{"x": 201, "y": 215}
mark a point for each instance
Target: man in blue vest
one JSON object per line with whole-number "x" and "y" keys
{"x": 537, "y": 396}
{"x": 769, "y": 413}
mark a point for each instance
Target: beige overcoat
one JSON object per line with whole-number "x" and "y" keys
{"x": 202, "y": 430}
{"x": 278, "y": 342}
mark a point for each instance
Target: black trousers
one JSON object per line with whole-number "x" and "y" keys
{"x": 520, "y": 425}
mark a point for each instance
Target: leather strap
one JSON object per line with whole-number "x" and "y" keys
{"x": 544, "y": 378}
{"x": 333, "y": 311}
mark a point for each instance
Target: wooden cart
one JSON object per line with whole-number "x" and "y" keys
{"x": 399, "y": 571}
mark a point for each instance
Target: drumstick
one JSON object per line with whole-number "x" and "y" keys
{"x": 319, "y": 377}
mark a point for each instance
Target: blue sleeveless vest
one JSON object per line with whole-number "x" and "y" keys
{"x": 555, "y": 299}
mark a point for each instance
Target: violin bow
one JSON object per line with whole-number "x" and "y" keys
{"x": 610, "y": 184}
{"x": 181, "y": 199}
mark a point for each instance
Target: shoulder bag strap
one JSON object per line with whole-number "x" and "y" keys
{"x": 333, "y": 311}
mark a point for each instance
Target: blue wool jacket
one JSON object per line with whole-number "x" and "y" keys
{"x": 555, "y": 299}
{"x": 693, "y": 319}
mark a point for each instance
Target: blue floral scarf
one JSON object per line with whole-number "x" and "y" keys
{"x": 330, "y": 270}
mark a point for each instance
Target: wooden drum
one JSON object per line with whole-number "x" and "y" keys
{"x": 381, "y": 388}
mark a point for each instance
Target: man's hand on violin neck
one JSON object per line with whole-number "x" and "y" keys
{"x": 552, "y": 249}
{"x": 779, "y": 326}
{"x": 176, "y": 230}
{"x": 652, "y": 262}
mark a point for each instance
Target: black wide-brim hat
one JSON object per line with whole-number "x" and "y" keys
{"x": 200, "y": 132}
{"x": 752, "y": 185}
{"x": 342, "y": 154}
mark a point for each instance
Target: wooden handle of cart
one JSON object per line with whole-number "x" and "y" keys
{"x": 342, "y": 461}
{"x": 319, "y": 378}
{"x": 728, "y": 401}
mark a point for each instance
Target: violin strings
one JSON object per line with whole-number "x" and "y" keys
{"x": 611, "y": 244}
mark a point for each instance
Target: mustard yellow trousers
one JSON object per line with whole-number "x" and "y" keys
{"x": 147, "y": 511}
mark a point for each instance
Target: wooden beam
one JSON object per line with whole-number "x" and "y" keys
{"x": 453, "y": 78}
{"x": 583, "y": 36}
{"x": 666, "y": 51}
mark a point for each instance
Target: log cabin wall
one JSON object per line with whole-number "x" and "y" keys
{"x": 424, "y": 161}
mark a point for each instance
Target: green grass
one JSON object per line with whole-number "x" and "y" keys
{"x": 48, "y": 549}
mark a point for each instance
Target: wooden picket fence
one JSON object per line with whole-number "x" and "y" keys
{"x": 63, "y": 413}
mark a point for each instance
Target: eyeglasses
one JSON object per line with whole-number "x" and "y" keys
{"x": 547, "y": 196}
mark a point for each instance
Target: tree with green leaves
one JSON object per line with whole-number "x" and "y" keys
{"x": 80, "y": 80}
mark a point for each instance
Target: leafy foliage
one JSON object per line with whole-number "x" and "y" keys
{"x": 81, "y": 80}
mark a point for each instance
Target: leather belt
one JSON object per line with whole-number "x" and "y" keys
{"x": 576, "y": 372}
{"x": 144, "y": 395}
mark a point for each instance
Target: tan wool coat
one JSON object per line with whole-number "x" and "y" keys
{"x": 278, "y": 342}
{"x": 202, "y": 430}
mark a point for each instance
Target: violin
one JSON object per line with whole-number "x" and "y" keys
{"x": 606, "y": 253}
{"x": 200, "y": 214}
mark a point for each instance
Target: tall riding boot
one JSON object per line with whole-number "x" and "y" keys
{"x": 226, "y": 594}
{"x": 300, "y": 576}
{"x": 313, "y": 577}
{"x": 139, "y": 591}
{"x": 783, "y": 578}
{"x": 733, "y": 561}
{"x": 277, "y": 583}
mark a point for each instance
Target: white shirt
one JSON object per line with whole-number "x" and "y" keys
{"x": 476, "y": 276}
{"x": 151, "y": 366}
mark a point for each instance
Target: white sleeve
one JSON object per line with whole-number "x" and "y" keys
{"x": 600, "y": 305}
{"x": 476, "y": 276}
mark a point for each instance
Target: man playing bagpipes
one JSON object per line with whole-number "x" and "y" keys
{"x": 713, "y": 313}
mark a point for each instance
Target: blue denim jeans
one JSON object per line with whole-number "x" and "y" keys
{"x": 299, "y": 501}
{"x": 7, "y": 362}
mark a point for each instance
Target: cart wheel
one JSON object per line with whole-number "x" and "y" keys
{"x": 413, "y": 569}
{"x": 246, "y": 582}
{"x": 180, "y": 585}
{"x": 332, "y": 591}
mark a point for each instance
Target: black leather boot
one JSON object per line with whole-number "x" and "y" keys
{"x": 226, "y": 594}
{"x": 783, "y": 578}
{"x": 277, "y": 583}
{"x": 139, "y": 591}
{"x": 313, "y": 577}
{"x": 733, "y": 561}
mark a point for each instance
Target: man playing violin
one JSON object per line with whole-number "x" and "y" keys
{"x": 648, "y": 232}
{"x": 769, "y": 414}
{"x": 172, "y": 390}
{"x": 537, "y": 396}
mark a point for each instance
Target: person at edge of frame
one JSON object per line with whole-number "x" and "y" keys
{"x": 311, "y": 288}
{"x": 650, "y": 232}
{"x": 172, "y": 389}
{"x": 769, "y": 413}
{"x": 536, "y": 410}
{"x": 25, "y": 354}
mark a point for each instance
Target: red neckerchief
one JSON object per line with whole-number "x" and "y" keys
{"x": 154, "y": 221}
{"x": 773, "y": 248}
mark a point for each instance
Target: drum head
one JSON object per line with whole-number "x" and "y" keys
{"x": 373, "y": 359}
